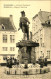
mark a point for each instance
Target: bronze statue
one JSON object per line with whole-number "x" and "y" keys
{"x": 24, "y": 24}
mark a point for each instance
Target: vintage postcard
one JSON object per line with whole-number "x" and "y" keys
{"x": 25, "y": 39}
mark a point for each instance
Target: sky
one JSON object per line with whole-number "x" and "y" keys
{"x": 14, "y": 8}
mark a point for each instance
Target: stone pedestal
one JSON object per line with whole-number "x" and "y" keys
{"x": 27, "y": 49}
{"x": 33, "y": 55}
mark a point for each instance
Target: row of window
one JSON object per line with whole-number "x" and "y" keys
{"x": 6, "y": 48}
{"x": 12, "y": 38}
{"x": 41, "y": 42}
{"x": 48, "y": 54}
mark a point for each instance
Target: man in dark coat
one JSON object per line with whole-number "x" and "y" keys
{"x": 24, "y": 24}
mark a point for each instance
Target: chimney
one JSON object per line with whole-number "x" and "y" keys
{"x": 40, "y": 9}
{"x": 40, "y": 13}
{"x": 11, "y": 18}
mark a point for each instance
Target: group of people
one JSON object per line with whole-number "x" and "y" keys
{"x": 11, "y": 61}
{"x": 42, "y": 62}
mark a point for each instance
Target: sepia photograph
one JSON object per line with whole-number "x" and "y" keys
{"x": 25, "y": 39}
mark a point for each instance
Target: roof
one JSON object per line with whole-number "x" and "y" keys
{"x": 43, "y": 16}
{"x": 7, "y": 24}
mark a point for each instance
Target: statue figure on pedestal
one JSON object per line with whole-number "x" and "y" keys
{"x": 24, "y": 24}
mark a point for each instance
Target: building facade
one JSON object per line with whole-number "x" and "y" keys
{"x": 41, "y": 33}
{"x": 8, "y": 36}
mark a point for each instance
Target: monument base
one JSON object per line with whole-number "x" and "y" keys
{"x": 27, "y": 50}
{"x": 31, "y": 70}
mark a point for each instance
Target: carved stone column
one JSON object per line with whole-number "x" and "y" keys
{"x": 33, "y": 55}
